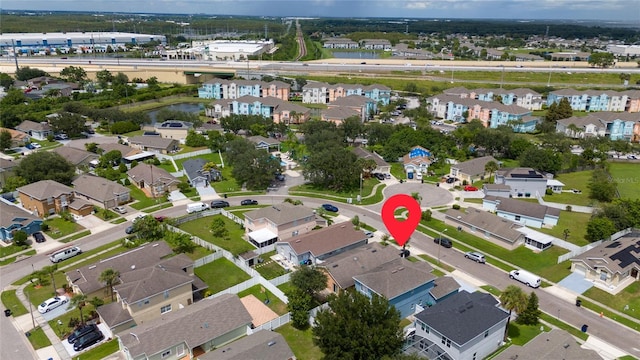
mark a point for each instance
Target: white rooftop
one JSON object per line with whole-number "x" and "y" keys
{"x": 262, "y": 235}
{"x": 536, "y": 235}
{"x": 554, "y": 182}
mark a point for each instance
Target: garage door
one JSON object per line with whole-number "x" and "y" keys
{"x": 580, "y": 269}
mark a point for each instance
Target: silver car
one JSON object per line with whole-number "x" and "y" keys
{"x": 475, "y": 256}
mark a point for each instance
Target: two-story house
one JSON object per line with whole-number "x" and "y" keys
{"x": 465, "y": 326}
{"x": 471, "y": 170}
{"x": 265, "y": 226}
{"x": 16, "y": 219}
{"x": 263, "y": 344}
{"x": 152, "y": 180}
{"x": 7, "y": 170}
{"x": 524, "y": 182}
{"x": 48, "y": 197}
{"x": 416, "y": 162}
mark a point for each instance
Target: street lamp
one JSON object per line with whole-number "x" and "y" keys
{"x": 440, "y": 243}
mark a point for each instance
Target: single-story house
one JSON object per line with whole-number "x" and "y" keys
{"x": 381, "y": 165}
{"x": 488, "y": 226}
{"x": 523, "y": 212}
{"x": 404, "y": 283}
{"x": 463, "y": 326}
{"x": 15, "y": 219}
{"x": 198, "y": 177}
{"x": 155, "y": 144}
{"x": 18, "y": 138}
{"x": 417, "y": 161}
{"x": 107, "y": 193}
{"x": 154, "y": 181}
{"x": 48, "y": 197}
{"x": 37, "y": 130}
{"x": 611, "y": 264}
{"x": 188, "y": 332}
{"x": 472, "y": 170}
{"x": 320, "y": 244}
{"x": 76, "y": 156}
{"x": 265, "y": 226}
{"x": 265, "y": 143}
{"x": 173, "y": 129}
{"x": 7, "y": 168}
{"x": 261, "y": 345}
{"x": 555, "y": 344}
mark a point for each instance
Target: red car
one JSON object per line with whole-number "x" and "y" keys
{"x": 470, "y": 188}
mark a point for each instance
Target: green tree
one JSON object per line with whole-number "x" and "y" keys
{"x": 13, "y": 182}
{"x": 195, "y": 139}
{"x": 91, "y": 147}
{"x": 27, "y": 73}
{"x": 153, "y": 84}
{"x": 333, "y": 168}
{"x": 531, "y": 314}
{"x": 602, "y": 59}
{"x": 599, "y": 228}
{"x": 6, "y": 81}
{"x": 416, "y": 196}
{"x": 71, "y": 124}
{"x": 560, "y": 110}
{"x": 513, "y": 299}
{"x": 601, "y": 186}
{"x": 80, "y": 301}
{"x": 13, "y": 97}
{"x": 357, "y": 327}
{"x": 426, "y": 215}
{"x": 219, "y": 228}
{"x": 541, "y": 159}
{"x": 50, "y": 271}
{"x": 20, "y": 238}
{"x": 309, "y": 280}
{"x": 110, "y": 278}
{"x": 299, "y": 305}
{"x": 149, "y": 228}
{"x": 5, "y": 139}
{"x": 104, "y": 77}
{"x": 180, "y": 242}
{"x": 491, "y": 167}
{"x": 74, "y": 74}
{"x": 57, "y": 168}
{"x": 352, "y": 128}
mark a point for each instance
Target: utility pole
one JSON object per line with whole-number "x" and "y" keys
{"x": 15, "y": 55}
{"x": 33, "y": 320}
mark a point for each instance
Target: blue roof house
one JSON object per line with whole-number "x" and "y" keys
{"x": 15, "y": 219}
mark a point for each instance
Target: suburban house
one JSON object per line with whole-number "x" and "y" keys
{"x": 37, "y": 130}
{"x": 416, "y": 162}
{"x": 595, "y": 100}
{"x": 189, "y": 332}
{"x": 464, "y": 326}
{"x": 404, "y": 283}
{"x": 614, "y": 125}
{"x": 499, "y": 190}
{"x": 471, "y": 170}
{"x": 261, "y": 345}
{"x": 341, "y": 269}
{"x": 278, "y": 110}
{"x": 339, "y": 114}
{"x": 265, "y": 226}
{"x": 340, "y": 43}
{"x": 155, "y": 144}
{"x": 321, "y": 244}
{"x": 15, "y": 219}
{"x": 197, "y": 176}
{"x": 443, "y": 287}
{"x": 381, "y": 165}
{"x": 7, "y": 168}
{"x": 611, "y": 265}
{"x": 18, "y": 138}
{"x": 59, "y": 89}
{"x": 485, "y": 225}
{"x": 75, "y": 156}
{"x": 555, "y": 344}
{"x": 526, "y": 182}
{"x": 364, "y": 106}
{"x": 324, "y": 93}
{"x": 173, "y": 129}
{"x": 125, "y": 150}
{"x": 232, "y": 89}
{"x": 107, "y": 193}
{"x": 523, "y": 212}
{"x": 154, "y": 181}
{"x": 48, "y": 197}
{"x": 263, "y": 143}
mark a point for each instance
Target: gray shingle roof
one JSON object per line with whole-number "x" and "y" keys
{"x": 520, "y": 207}
{"x": 45, "y": 189}
{"x": 618, "y": 256}
{"x": 262, "y": 345}
{"x": 280, "y": 214}
{"x": 98, "y": 188}
{"x": 155, "y": 142}
{"x": 146, "y": 282}
{"x": 485, "y": 221}
{"x": 75, "y": 156}
{"x": 555, "y": 344}
{"x": 113, "y": 314}
{"x": 396, "y": 277}
{"x": 345, "y": 266}
{"x": 366, "y": 155}
{"x": 28, "y": 125}
{"x": 443, "y": 286}
{"x": 338, "y": 113}
{"x": 151, "y": 174}
{"x": 351, "y": 100}
{"x": 195, "y": 325}
{"x": 475, "y": 166}
{"x": 193, "y": 169}
{"x": 463, "y": 316}
{"x": 324, "y": 241}
{"x": 14, "y": 215}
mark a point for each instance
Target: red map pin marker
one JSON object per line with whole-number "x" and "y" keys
{"x": 399, "y": 229}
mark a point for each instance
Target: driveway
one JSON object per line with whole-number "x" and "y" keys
{"x": 576, "y": 282}
{"x": 90, "y": 222}
{"x": 431, "y": 194}
{"x": 57, "y": 312}
{"x": 69, "y": 347}
{"x": 176, "y": 195}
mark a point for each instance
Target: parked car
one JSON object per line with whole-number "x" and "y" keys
{"x": 470, "y": 188}
{"x": 249, "y": 202}
{"x": 88, "y": 340}
{"x": 61, "y": 137}
{"x": 218, "y": 204}
{"x": 80, "y": 332}
{"x": 443, "y": 241}
{"x": 129, "y": 230}
{"x": 138, "y": 217}
{"x": 39, "y": 237}
{"x": 368, "y": 233}
{"x": 280, "y": 177}
{"x": 120, "y": 209}
{"x": 475, "y": 256}
{"x": 65, "y": 254}
{"x": 378, "y": 176}
{"x": 451, "y": 180}
{"x": 160, "y": 218}
{"x": 52, "y": 303}
{"x": 329, "y": 207}
{"x": 531, "y": 280}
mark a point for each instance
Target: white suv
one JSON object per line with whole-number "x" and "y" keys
{"x": 475, "y": 256}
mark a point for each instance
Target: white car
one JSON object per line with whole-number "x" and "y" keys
{"x": 52, "y": 303}
{"x": 120, "y": 209}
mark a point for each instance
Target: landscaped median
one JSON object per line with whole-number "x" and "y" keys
{"x": 369, "y": 197}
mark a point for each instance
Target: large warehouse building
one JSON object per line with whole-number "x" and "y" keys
{"x": 98, "y": 40}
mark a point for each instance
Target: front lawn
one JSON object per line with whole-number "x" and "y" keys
{"x": 275, "y": 304}
{"x": 11, "y": 301}
{"x": 59, "y": 227}
{"x": 228, "y": 183}
{"x": 575, "y": 222}
{"x": 367, "y": 189}
{"x": 38, "y": 294}
{"x": 105, "y": 214}
{"x": 63, "y": 330}
{"x": 300, "y": 342}
{"x": 221, "y": 274}
{"x": 11, "y": 249}
{"x": 102, "y": 351}
{"x": 626, "y": 175}
{"x": 627, "y": 301}
{"x": 142, "y": 200}
{"x": 522, "y": 334}
{"x": 38, "y": 338}
{"x": 234, "y": 243}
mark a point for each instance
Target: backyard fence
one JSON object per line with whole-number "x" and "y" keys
{"x": 191, "y": 154}
{"x": 273, "y": 324}
{"x": 588, "y": 247}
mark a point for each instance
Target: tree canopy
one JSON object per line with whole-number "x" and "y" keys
{"x": 602, "y": 59}
{"x": 45, "y": 165}
{"x": 309, "y": 280}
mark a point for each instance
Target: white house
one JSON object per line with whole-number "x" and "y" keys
{"x": 523, "y": 212}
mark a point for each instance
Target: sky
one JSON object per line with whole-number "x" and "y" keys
{"x": 613, "y": 10}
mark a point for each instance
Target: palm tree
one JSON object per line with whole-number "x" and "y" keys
{"x": 51, "y": 270}
{"x": 491, "y": 167}
{"x": 512, "y": 299}
{"x": 79, "y": 300}
{"x": 416, "y": 196}
{"x": 566, "y": 233}
{"x": 110, "y": 277}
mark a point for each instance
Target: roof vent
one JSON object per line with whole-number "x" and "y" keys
{"x": 271, "y": 343}
{"x": 298, "y": 240}
{"x": 355, "y": 258}
{"x": 335, "y": 266}
{"x": 156, "y": 244}
{"x": 374, "y": 250}
{"x": 401, "y": 268}
{"x": 133, "y": 267}
{"x": 206, "y": 325}
{"x": 92, "y": 267}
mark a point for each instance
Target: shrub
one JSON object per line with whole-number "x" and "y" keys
{"x": 121, "y": 127}
{"x": 426, "y": 215}
{"x": 548, "y": 192}
{"x": 456, "y": 206}
{"x": 569, "y": 208}
{"x": 127, "y": 182}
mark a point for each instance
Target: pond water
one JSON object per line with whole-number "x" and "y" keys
{"x": 356, "y": 55}
{"x": 193, "y": 108}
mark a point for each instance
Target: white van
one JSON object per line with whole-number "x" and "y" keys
{"x": 195, "y": 207}
{"x": 65, "y": 254}
{"x": 525, "y": 277}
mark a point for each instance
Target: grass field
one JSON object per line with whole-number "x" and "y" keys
{"x": 575, "y": 222}
{"x": 522, "y": 334}
{"x": 101, "y": 351}
{"x": 235, "y": 242}
{"x": 301, "y": 342}
{"x": 59, "y": 227}
{"x": 576, "y": 180}
{"x": 221, "y": 274}
{"x": 630, "y": 297}
{"x": 627, "y": 175}
{"x": 142, "y": 200}
{"x": 38, "y": 339}
{"x": 275, "y": 304}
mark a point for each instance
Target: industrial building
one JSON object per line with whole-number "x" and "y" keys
{"x": 64, "y": 41}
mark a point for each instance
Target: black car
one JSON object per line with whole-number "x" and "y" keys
{"x": 88, "y": 340}
{"x": 218, "y": 204}
{"x": 129, "y": 230}
{"x": 329, "y": 207}
{"x": 249, "y": 202}
{"x": 80, "y": 332}
{"x": 451, "y": 180}
{"x": 39, "y": 237}
{"x": 443, "y": 241}
{"x": 280, "y": 177}
{"x": 379, "y": 176}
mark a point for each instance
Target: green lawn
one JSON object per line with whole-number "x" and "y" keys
{"x": 397, "y": 170}
{"x": 564, "y": 326}
{"x": 630, "y": 297}
{"x": 286, "y": 287}
{"x": 11, "y": 249}
{"x": 275, "y": 304}
{"x": 522, "y": 334}
{"x": 102, "y": 351}
{"x": 271, "y": 270}
{"x": 221, "y": 274}
{"x": 198, "y": 253}
{"x": 11, "y": 301}
{"x": 63, "y": 330}
{"x": 38, "y": 339}
{"x": 58, "y": 227}
{"x": 76, "y": 236}
{"x": 38, "y": 294}
{"x": 105, "y": 214}
{"x": 228, "y": 183}
{"x": 300, "y": 342}
{"x": 575, "y": 222}
{"x": 626, "y": 175}
{"x": 12, "y": 259}
{"x": 142, "y": 200}
{"x": 367, "y": 188}
{"x": 571, "y": 198}
{"x": 576, "y": 180}
{"x": 235, "y": 243}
